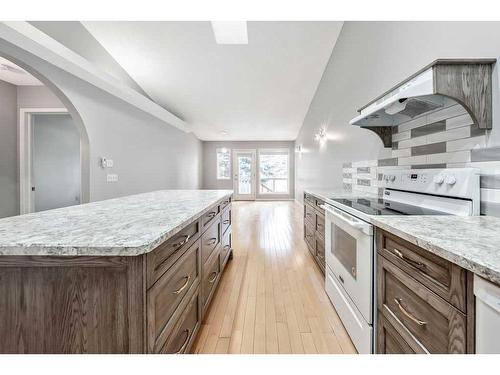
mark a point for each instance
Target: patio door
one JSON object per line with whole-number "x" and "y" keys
{"x": 244, "y": 174}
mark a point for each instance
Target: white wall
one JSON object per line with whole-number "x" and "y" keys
{"x": 9, "y": 197}
{"x": 210, "y": 180}
{"x": 148, "y": 153}
{"x": 368, "y": 59}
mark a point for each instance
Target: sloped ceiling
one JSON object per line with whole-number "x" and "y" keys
{"x": 259, "y": 91}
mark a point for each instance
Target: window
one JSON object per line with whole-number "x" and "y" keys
{"x": 223, "y": 164}
{"x": 273, "y": 171}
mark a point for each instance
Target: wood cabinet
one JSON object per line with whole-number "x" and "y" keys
{"x": 150, "y": 303}
{"x": 314, "y": 228}
{"x": 424, "y": 303}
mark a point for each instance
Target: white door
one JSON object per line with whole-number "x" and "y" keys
{"x": 244, "y": 174}
{"x": 55, "y": 162}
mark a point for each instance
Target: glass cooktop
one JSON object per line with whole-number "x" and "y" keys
{"x": 380, "y": 206}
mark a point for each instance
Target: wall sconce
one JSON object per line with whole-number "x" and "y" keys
{"x": 320, "y": 136}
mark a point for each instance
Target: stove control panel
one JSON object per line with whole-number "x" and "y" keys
{"x": 453, "y": 182}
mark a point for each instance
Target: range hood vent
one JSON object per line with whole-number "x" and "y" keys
{"x": 465, "y": 81}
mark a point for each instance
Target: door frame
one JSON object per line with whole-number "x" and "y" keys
{"x": 25, "y": 131}
{"x": 246, "y": 197}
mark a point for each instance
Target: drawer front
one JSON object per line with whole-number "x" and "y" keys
{"x": 225, "y": 249}
{"x": 209, "y": 240}
{"x": 389, "y": 341}
{"x": 320, "y": 250}
{"x": 320, "y": 224}
{"x": 210, "y": 216}
{"x": 309, "y": 236}
{"x": 210, "y": 278}
{"x": 185, "y": 330}
{"x": 439, "y": 275}
{"x": 169, "y": 291}
{"x": 310, "y": 215}
{"x": 309, "y": 199}
{"x": 226, "y": 219}
{"x": 225, "y": 202}
{"x": 165, "y": 255}
{"x": 437, "y": 325}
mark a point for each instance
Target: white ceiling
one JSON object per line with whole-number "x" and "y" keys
{"x": 258, "y": 91}
{"x": 10, "y": 72}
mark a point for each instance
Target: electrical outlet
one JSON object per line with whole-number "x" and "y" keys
{"x": 106, "y": 163}
{"x": 112, "y": 178}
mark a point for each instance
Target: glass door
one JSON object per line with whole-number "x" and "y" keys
{"x": 244, "y": 175}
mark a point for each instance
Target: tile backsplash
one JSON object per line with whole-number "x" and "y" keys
{"x": 446, "y": 138}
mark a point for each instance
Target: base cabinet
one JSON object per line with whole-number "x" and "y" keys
{"x": 314, "y": 229}
{"x": 424, "y": 303}
{"x": 150, "y": 303}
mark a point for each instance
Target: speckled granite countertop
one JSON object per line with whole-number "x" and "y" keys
{"x": 126, "y": 226}
{"x": 471, "y": 242}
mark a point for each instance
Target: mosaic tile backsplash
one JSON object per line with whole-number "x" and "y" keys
{"x": 446, "y": 138}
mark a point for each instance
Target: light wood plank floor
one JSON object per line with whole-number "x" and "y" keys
{"x": 271, "y": 297}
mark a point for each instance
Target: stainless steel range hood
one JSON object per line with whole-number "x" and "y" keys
{"x": 465, "y": 81}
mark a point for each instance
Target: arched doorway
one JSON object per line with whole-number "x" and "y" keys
{"x": 52, "y": 144}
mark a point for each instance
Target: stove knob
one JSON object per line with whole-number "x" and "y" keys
{"x": 450, "y": 180}
{"x": 386, "y": 177}
{"x": 393, "y": 178}
{"x": 438, "y": 180}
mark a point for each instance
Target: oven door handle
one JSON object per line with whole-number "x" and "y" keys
{"x": 355, "y": 223}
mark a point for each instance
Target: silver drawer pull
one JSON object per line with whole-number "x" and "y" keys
{"x": 184, "y": 344}
{"x": 407, "y": 314}
{"x": 211, "y": 241}
{"x": 319, "y": 225}
{"x": 179, "y": 291}
{"x": 408, "y": 260}
{"x": 211, "y": 214}
{"x": 227, "y": 221}
{"x": 213, "y": 279}
{"x": 186, "y": 239}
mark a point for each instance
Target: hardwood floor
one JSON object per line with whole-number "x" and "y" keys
{"x": 271, "y": 298}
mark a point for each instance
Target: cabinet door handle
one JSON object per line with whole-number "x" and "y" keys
{"x": 186, "y": 239}
{"x": 213, "y": 278}
{"x": 184, "y": 344}
{"x": 408, "y": 260}
{"x": 319, "y": 225}
{"x": 227, "y": 221}
{"x": 211, "y": 241}
{"x": 407, "y": 314}
{"x": 179, "y": 291}
{"x": 227, "y": 247}
{"x": 211, "y": 214}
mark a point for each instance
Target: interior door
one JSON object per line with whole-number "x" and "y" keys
{"x": 244, "y": 175}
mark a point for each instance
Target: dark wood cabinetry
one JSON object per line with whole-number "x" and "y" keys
{"x": 150, "y": 303}
{"x": 424, "y": 302}
{"x": 314, "y": 228}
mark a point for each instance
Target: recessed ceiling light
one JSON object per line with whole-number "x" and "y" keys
{"x": 230, "y": 32}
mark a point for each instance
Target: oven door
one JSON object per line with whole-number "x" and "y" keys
{"x": 349, "y": 256}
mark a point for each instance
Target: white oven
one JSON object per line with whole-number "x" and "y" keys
{"x": 349, "y": 273}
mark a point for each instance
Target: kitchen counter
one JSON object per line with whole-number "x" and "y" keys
{"x": 126, "y": 226}
{"x": 471, "y": 242}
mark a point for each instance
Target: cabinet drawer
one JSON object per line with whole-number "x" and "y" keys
{"x": 210, "y": 278}
{"x": 309, "y": 237}
{"x": 225, "y": 202}
{"x": 168, "y": 292}
{"x": 186, "y": 328}
{"x": 439, "y": 275}
{"x": 389, "y": 341}
{"x": 225, "y": 249}
{"x": 309, "y": 199}
{"x": 437, "y": 325}
{"x": 320, "y": 224}
{"x": 310, "y": 215}
{"x": 210, "y": 216}
{"x": 209, "y": 241}
{"x": 165, "y": 255}
{"x": 226, "y": 219}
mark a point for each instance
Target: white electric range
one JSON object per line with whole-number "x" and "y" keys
{"x": 349, "y": 235}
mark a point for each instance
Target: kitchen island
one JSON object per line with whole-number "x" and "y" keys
{"x": 126, "y": 275}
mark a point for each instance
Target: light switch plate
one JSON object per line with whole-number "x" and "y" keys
{"x": 111, "y": 178}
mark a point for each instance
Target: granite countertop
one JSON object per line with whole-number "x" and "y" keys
{"x": 472, "y": 242}
{"x": 126, "y": 226}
